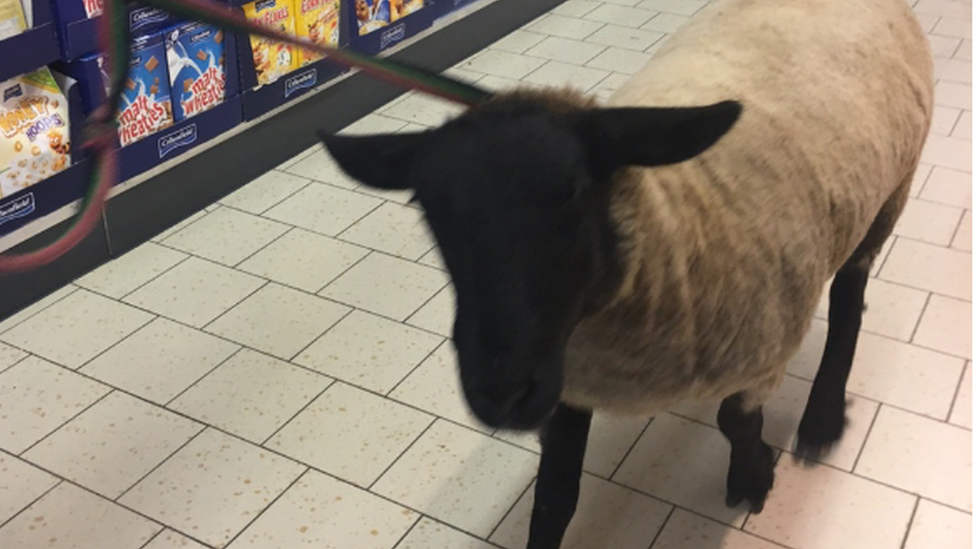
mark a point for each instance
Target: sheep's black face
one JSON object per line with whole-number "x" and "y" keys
{"x": 517, "y": 198}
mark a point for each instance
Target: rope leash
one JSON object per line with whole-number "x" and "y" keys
{"x": 101, "y": 127}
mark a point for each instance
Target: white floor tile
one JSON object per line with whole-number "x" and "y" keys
{"x": 123, "y": 275}
{"x": 954, "y": 70}
{"x": 566, "y": 27}
{"x": 950, "y": 187}
{"x": 962, "y": 410}
{"x": 558, "y": 74}
{"x": 443, "y": 472}
{"x": 944, "y": 119}
{"x": 264, "y": 192}
{"x": 324, "y": 209}
{"x": 76, "y": 329}
{"x": 952, "y": 26}
{"x": 518, "y": 41}
{"x": 113, "y": 444}
{"x": 304, "y": 259}
{"x": 434, "y": 259}
{"x": 71, "y": 518}
{"x": 437, "y": 315}
{"x": 182, "y": 224}
{"x": 424, "y": 110}
{"x": 160, "y": 360}
{"x": 427, "y": 534}
{"x": 369, "y": 351}
{"x": 387, "y": 286}
{"x": 620, "y": 60}
{"x": 565, "y": 50}
{"x": 964, "y": 127}
{"x": 278, "y": 320}
{"x": 609, "y": 85}
{"x": 579, "y": 8}
{"x": 36, "y": 307}
{"x": 927, "y": 21}
{"x": 928, "y": 267}
{"x": 227, "y": 236}
{"x": 607, "y": 515}
{"x": 620, "y": 15}
{"x": 168, "y": 539}
{"x": 251, "y": 395}
{"x": 684, "y": 463}
{"x": 893, "y": 310}
{"x": 964, "y": 235}
{"x": 195, "y": 291}
{"x": 20, "y": 484}
{"x": 965, "y": 50}
{"x": 685, "y": 530}
{"x": 920, "y": 455}
{"x": 666, "y": 22}
{"x": 947, "y": 326}
{"x": 935, "y": 525}
{"x": 435, "y": 387}
{"x": 395, "y": 229}
{"x": 502, "y": 63}
{"x": 373, "y": 123}
{"x": 928, "y": 222}
{"x": 319, "y": 511}
{"x": 944, "y": 8}
{"x": 952, "y": 94}
{"x": 919, "y": 178}
{"x": 10, "y": 356}
{"x": 213, "y": 487}
{"x": 351, "y": 434}
{"x": 944, "y": 46}
{"x": 37, "y": 398}
{"x": 948, "y": 152}
{"x": 678, "y": 7}
{"x": 822, "y": 508}
{"x": 625, "y": 37}
{"x": 319, "y": 165}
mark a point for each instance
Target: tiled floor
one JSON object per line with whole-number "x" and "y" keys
{"x": 274, "y": 373}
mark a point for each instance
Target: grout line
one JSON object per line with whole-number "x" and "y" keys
{"x": 867, "y": 435}
{"x": 297, "y": 354}
{"x": 167, "y": 405}
{"x": 64, "y": 423}
{"x": 401, "y": 454}
{"x": 203, "y": 428}
{"x": 3, "y": 524}
{"x": 955, "y": 395}
{"x": 662, "y": 528}
{"x": 921, "y": 315}
{"x": 633, "y": 445}
{"x": 42, "y": 309}
{"x": 265, "y": 283}
{"x": 958, "y": 228}
{"x": 911, "y": 519}
{"x": 270, "y": 504}
{"x": 154, "y": 536}
{"x": 296, "y": 414}
{"x": 511, "y": 508}
{"x": 414, "y": 369}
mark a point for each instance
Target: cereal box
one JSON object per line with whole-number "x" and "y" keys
{"x": 402, "y": 8}
{"x": 372, "y": 15}
{"x": 34, "y": 136}
{"x": 318, "y": 21}
{"x": 146, "y": 106}
{"x": 272, "y": 60}
{"x": 12, "y": 20}
{"x": 195, "y": 56}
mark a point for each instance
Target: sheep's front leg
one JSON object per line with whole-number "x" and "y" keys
{"x": 751, "y": 467}
{"x": 560, "y": 467}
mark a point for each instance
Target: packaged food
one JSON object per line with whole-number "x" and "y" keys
{"x": 318, "y": 21}
{"x": 146, "y": 106}
{"x": 402, "y": 8}
{"x": 35, "y": 141}
{"x": 372, "y": 15}
{"x": 12, "y": 21}
{"x": 93, "y": 8}
{"x": 195, "y": 57}
{"x": 272, "y": 60}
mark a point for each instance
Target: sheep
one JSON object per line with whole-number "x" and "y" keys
{"x": 672, "y": 245}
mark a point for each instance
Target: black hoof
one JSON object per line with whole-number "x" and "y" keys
{"x": 751, "y": 478}
{"x": 820, "y": 429}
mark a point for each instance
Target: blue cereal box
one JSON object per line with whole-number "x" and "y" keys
{"x": 146, "y": 106}
{"x": 195, "y": 55}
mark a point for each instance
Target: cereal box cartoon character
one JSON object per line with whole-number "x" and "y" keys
{"x": 146, "y": 106}
{"x": 318, "y": 21}
{"x": 34, "y": 131}
{"x": 195, "y": 57}
{"x": 402, "y": 8}
{"x": 272, "y": 60}
{"x": 372, "y": 15}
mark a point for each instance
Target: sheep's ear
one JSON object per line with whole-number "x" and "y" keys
{"x": 375, "y": 160}
{"x": 618, "y": 137}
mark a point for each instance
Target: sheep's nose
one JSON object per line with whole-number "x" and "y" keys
{"x": 519, "y": 406}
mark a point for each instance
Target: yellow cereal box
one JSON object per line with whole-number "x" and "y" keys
{"x": 402, "y": 8}
{"x": 12, "y": 20}
{"x": 272, "y": 60}
{"x": 34, "y": 133}
{"x": 318, "y": 21}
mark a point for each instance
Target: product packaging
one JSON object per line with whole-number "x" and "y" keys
{"x": 318, "y": 21}
{"x": 272, "y": 60}
{"x": 197, "y": 75}
{"x": 146, "y": 107}
{"x": 12, "y": 21}
{"x": 372, "y": 15}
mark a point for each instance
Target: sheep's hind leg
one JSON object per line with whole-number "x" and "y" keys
{"x": 560, "y": 467}
{"x": 752, "y": 463}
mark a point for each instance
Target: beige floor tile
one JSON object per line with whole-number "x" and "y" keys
{"x": 319, "y": 165}
{"x": 944, "y": 46}
{"x": 213, "y": 487}
{"x": 195, "y": 291}
{"x": 952, "y": 94}
{"x": 954, "y": 70}
{"x": 964, "y": 236}
{"x": 20, "y": 484}
{"x": 36, "y": 307}
{"x": 954, "y": 26}
{"x": 422, "y": 109}
{"x": 823, "y": 508}
{"x": 947, "y": 326}
{"x": 964, "y": 127}
{"x": 620, "y": 15}
{"x": 620, "y": 60}
{"x": 920, "y": 455}
{"x": 609, "y": 85}
{"x": 37, "y": 398}
{"x": 303, "y": 259}
{"x": 944, "y": 8}
{"x": 520, "y": 40}
{"x": 160, "y": 360}
{"x": 264, "y": 192}
{"x": 565, "y": 50}
{"x": 435, "y": 387}
{"x": 113, "y": 444}
{"x": 369, "y": 351}
{"x": 76, "y": 329}
{"x": 559, "y": 74}
{"x": 124, "y": 274}
{"x": 565, "y": 27}
{"x": 251, "y": 395}
{"x": 929, "y": 267}
{"x": 71, "y": 518}
{"x": 395, "y": 229}
{"x": 227, "y": 236}
{"x": 427, "y": 534}
{"x": 928, "y": 222}
{"x": 437, "y": 315}
{"x": 371, "y": 433}
{"x": 893, "y": 310}
{"x": 666, "y": 22}
{"x": 624, "y": 37}
{"x": 686, "y": 531}
{"x": 373, "y": 123}
{"x": 607, "y": 515}
{"x": 10, "y": 356}
{"x": 323, "y": 209}
{"x": 684, "y": 463}
{"x": 168, "y": 539}
{"x": 434, "y": 259}
{"x": 678, "y": 7}
{"x": 388, "y": 286}
{"x": 948, "y": 152}
{"x": 937, "y": 526}
{"x": 278, "y": 320}
{"x": 950, "y": 187}
{"x": 919, "y": 178}
{"x": 323, "y": 513}
{"x": 459, "y": 476}
{"x": 502, "y": 63}
{"x": 962, "y": 409}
